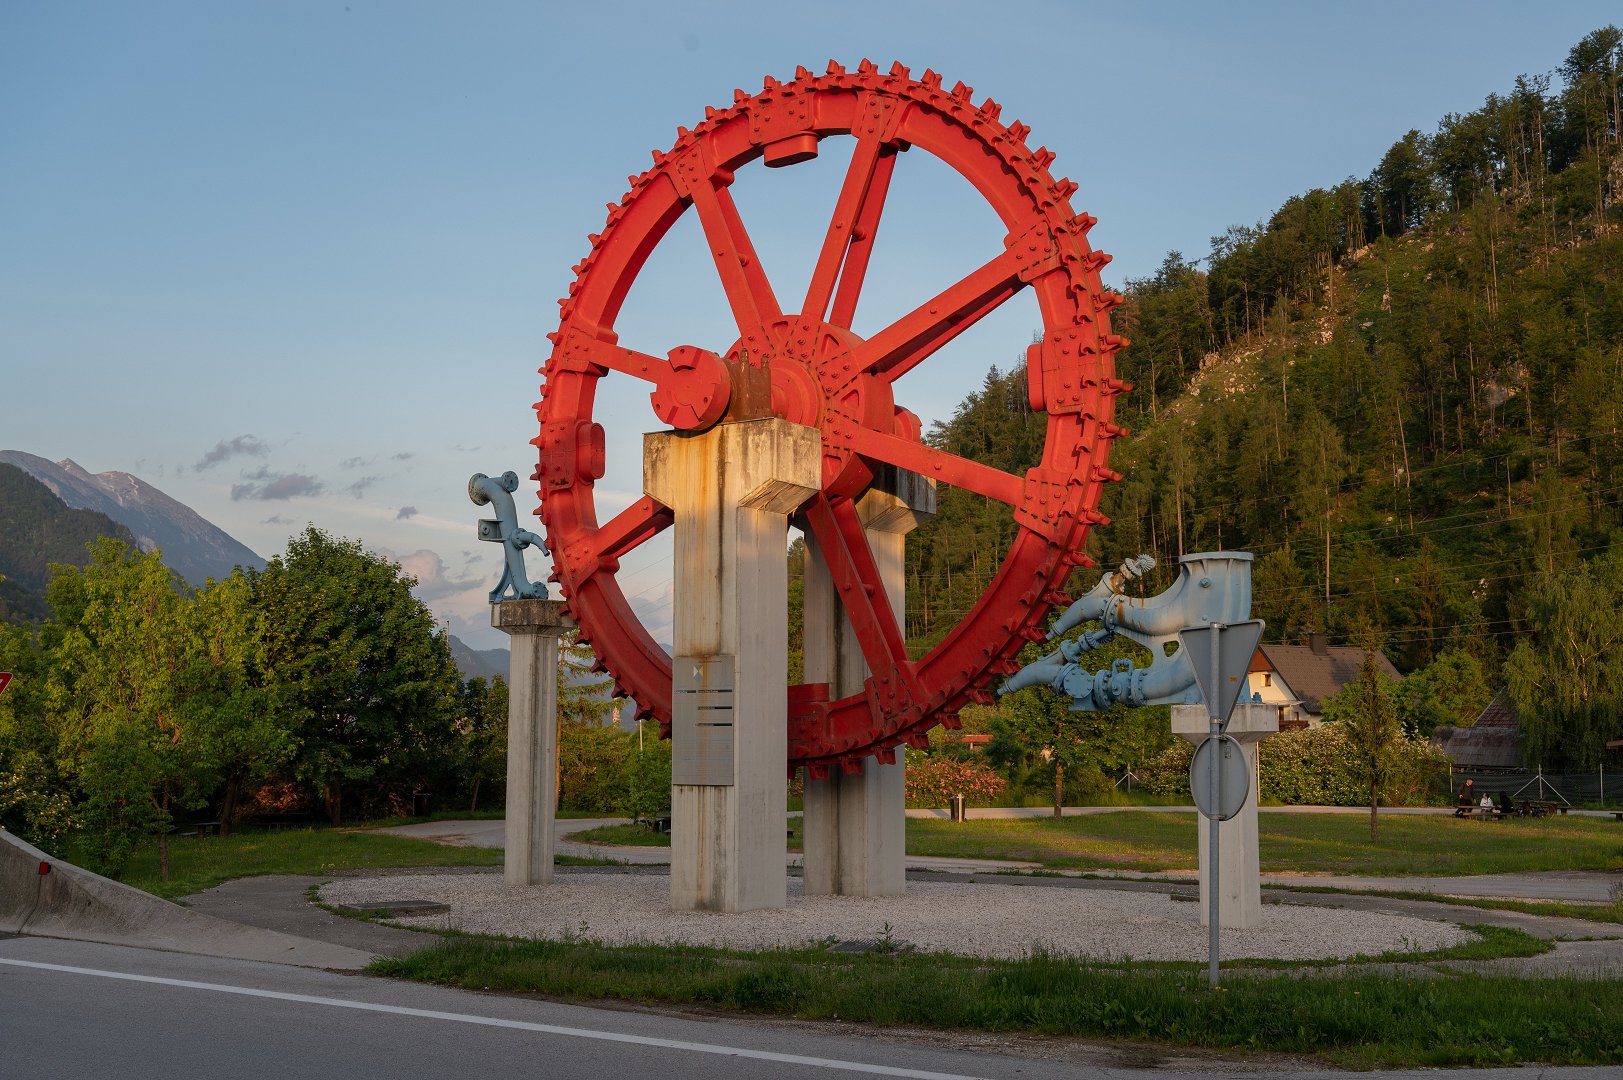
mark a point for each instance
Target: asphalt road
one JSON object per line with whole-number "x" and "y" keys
{"x": 78, "y": 1011}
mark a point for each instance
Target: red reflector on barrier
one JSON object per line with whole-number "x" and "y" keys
{"x": 44, "y": 868}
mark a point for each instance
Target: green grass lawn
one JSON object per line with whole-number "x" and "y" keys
{"x": 1316, "y": 843}
{"x": 1348, "y": 1018}
{"x": 202, "y": 863}
{"x": 1319, "y": 843}
{"x": 642, "y": 836}
{"x": 622, "y": 836}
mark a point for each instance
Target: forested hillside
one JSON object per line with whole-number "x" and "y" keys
{"x": 37, "y": 529}
{"x": 1401, "y": 393}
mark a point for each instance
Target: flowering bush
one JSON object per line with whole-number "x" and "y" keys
{"x": 932, "y": 780}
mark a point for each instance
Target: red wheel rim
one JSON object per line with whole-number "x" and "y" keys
{"x": 822, "y": 374}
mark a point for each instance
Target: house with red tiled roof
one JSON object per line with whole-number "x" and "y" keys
{"x": 1297, "y": 678}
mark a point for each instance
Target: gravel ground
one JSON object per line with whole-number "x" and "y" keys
{"x": 968, "y": 919}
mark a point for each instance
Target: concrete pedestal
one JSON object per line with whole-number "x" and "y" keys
{"x": 532, "y": 734}
{"x": 732, "y": 489}
{"x": 856, "y": 839}
{"x": 1239, "y": 902}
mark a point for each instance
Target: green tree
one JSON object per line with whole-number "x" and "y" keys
{"x": 1368, "y": 716}
{"x": 118, "y": 692}
{"x": 35, "y": 802}
{"x": 1565, "y": 677}
{"x": 224, "y": 680}
{"x": 1451, "y": 690}
{"x": 355, "y": 662}
{"x": 583, "y": 696}
{"x": 482, "y": 724}
{"x": 648, "y": 776}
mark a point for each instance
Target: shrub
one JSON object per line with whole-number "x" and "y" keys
{"x": 592, "y": 767}
{"x": 648, "y": 780}
{"x": 1310, "y": 767}
{"x": 933, "y": 780}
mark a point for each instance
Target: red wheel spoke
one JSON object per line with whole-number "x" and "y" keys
{"x": 638, "y": 522}
{"x": 850, "y": 234}
{"x": 856, "y": 263}
{"x": 857, "y": 582}
{"x": 619, "y": 358}
{"x": 908, "y": 341}
{"x": 749, "y": 293}
{"x": 940, "y": 465}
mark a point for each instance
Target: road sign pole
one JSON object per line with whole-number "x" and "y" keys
{"x": 1219, "y": 658}
{"x": 1213, "y": 892}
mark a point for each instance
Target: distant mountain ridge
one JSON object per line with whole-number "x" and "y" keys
{"x": 38, "y": 529}
{"x": 193, "y": 547}
{"x": 479, "y": 663}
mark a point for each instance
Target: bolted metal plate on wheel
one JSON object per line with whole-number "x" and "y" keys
{"x": 702, "y": 720}
{"x": 1236, "y": 777}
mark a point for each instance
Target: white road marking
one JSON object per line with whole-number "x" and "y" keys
{"x": 492, "y": 1021}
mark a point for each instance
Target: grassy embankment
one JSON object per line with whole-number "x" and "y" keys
{"x": 201, "y": 863}
{"x": 1349, "y": 1018}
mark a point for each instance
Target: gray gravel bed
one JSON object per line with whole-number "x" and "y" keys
{"x": 971, "y": 919}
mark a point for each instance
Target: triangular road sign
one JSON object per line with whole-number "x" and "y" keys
{"x": 1233, "y": 646}
{"x": 5, "y": 680}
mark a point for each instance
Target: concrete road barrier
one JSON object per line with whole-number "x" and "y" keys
{"x": 42, "y": 896}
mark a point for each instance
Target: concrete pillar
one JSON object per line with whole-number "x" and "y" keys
{"x": 732, "y": 489}
{"x": 532, "y": 734}
{"x": 855, "y": 823}
{"x": 1239, "y": 903}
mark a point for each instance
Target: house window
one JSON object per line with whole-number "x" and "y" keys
{"x": 1267, "y": 678}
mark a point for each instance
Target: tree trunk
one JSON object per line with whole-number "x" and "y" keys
{"x": 228, "y": 806}
{"x": 334, "y": 798}
{"x": 1374, "y": 803}
{"x": 163, "y": 838}
{"x": 1059, "y": 788}
{"x": 473, "y": 806}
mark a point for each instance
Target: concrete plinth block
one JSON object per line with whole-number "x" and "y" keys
{"x": 532, "y": 734}
{"x": 856, "y": 839}
{"x": 731, "y": 489}
{"x": 1239, "y": 902}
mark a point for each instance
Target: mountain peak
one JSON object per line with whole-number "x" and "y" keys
{"x": 192, "y": 546}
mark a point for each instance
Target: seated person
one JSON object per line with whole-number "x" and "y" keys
{"x": 1486, "y": 805}
{"x": 1503, "y": 809}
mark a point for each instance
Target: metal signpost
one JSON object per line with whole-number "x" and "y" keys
{"x": 1220, "y": 655}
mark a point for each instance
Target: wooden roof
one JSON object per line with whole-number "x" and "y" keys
{"x": 1481, "y": 747}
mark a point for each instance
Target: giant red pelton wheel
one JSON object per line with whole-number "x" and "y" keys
{"x": 804, "y": 364}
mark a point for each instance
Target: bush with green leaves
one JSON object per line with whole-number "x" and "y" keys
{"x": 1312, "y": 767}
{"x": 648, "y": 779}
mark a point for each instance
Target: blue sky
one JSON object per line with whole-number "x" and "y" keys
{"x": 294, "y": 262}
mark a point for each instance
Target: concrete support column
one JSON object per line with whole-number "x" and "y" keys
{"x": 532, "y": 734}
{"x": 856, "y": 840}
{"x": 1239, "y": 902}
{"x": 732, "y": 489}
